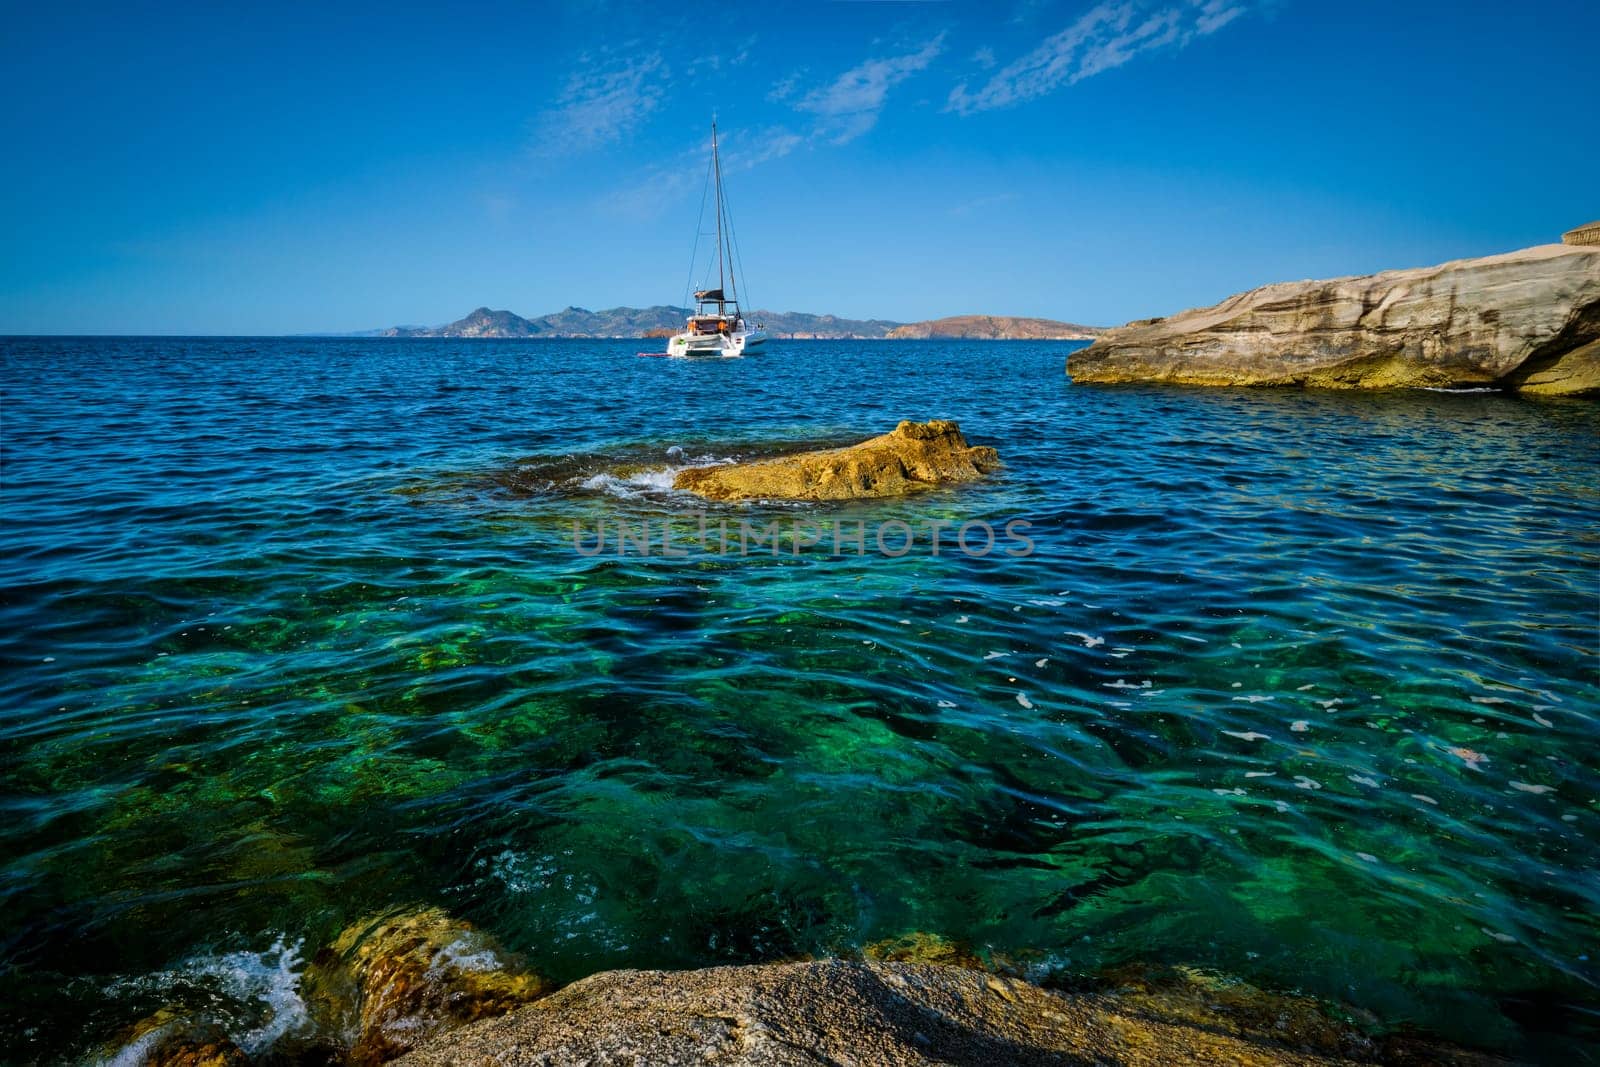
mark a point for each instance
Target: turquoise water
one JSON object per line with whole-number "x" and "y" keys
{"x": 1298, "y": 685}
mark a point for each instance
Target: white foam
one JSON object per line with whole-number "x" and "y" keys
{"x": 468, "y": 952}
{"x": 267, "y": 980}
{"x": 658, "y": 480}
{"x": 137, "y": 1053}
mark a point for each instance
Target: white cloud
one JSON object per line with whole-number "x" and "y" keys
{"x": 849, "y": 107}
{"x": 649, "y": 197}
{"x": 784, "y": 89}
{"x": 984, "y": 57}
{"x": 764, "y": 147}
{"x": 1103, "y": 38}
{"x": 666, "y": 187}
{"x": 735, "y": 56}
{"x": 601, "y": 104}
{"x": 1216, "y": 14}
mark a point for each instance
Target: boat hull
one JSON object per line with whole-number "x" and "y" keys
{"x": 722, "y": 345}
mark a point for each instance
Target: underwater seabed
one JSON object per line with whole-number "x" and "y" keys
{"x": 1298, "y": 688}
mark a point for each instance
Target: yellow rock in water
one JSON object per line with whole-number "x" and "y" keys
{"x": 916, "y": 456}
{"x": 391, "y": 981}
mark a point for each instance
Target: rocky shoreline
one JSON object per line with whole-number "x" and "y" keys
{"x": 1527, "y": 321}
{"x": 838, "y": 1011}
{"x": 423, "y": 989}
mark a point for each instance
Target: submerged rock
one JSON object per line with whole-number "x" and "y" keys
{"x": 1527, "y": 320}
{"x": 170, "y": 1038}
{"x": 916, "y": 456}
{"x": 392, "y": 981}
{"x": 838, "y": 1011}
{"x": 919, "y": 946}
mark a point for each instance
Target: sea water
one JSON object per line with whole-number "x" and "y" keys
{"x": 1296, "y": 685}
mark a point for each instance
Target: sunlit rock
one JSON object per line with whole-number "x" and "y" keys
{"x": 915, "y": 456}
{"x": 389, "y": 982}
{"x": 838, "y": 1011}
{"x": 1527, "y": 320}
{"x": 170, "y": 1038}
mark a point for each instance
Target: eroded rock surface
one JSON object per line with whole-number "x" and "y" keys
{"x": 1527, "y": 320}
{"x": 838, "y": 1011}
{"x": 916, "y": 456}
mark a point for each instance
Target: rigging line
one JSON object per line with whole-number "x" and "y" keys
{"x": 688, "y": 286}
{"x": 733, "y": 243}
{"x": 716, "y": 165}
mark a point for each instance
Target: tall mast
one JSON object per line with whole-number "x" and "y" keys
{"x": 716, "y": 166}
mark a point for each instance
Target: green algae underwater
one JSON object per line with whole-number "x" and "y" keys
{"x": 1299, "y": 686}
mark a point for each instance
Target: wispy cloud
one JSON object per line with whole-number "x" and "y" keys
{"x": 663, "y": 187}
{"x": 850, "y": 105}
{"x": 734, "y": 56}
{"x": 1103, "y": 38}
{"x": 784, "y": 89}
{"x": 762, "y": 147}
{"x": 602, "y": 103}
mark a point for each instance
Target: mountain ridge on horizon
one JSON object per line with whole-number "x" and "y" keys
{"x": 663, "y": 320}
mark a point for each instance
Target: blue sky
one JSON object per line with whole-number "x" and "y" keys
{"x": 294, "y": 168}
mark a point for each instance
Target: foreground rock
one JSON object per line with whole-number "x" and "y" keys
{"x": 916, "y": 456}
{"x": 1527, "y": 320}
{"x": 389, "y": 982}
{"x": 838, "y": 1011}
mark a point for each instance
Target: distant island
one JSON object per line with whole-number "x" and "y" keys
{"x": 995, "y": 328}
{"x": 664, "y": 320}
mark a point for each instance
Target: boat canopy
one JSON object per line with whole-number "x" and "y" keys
{"x": 709, "y": 294}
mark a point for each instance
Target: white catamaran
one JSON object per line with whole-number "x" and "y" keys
{"x": 723, "y": 331}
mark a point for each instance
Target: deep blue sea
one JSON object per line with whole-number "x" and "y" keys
{"x": 1297, "y": 685}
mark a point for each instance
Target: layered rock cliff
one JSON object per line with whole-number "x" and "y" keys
{"x": 1526, "y": 320}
